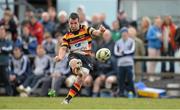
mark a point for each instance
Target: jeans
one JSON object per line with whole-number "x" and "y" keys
{"x": 4, "y": 78}
{"x": 125, "y": 80}
{"x": 32, "y": 80}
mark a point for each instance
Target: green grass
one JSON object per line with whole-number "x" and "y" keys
{"x": 87, "y": 103}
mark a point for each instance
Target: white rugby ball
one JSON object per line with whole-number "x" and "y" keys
{"x": 103, "y": 54}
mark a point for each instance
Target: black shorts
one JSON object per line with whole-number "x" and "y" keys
{"x": 87, "y": 61}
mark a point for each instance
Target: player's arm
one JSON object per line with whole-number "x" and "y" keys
{"x": 98, "y": 32}
{"x": 61, "y": 54}
{"x": 62, "y": 50}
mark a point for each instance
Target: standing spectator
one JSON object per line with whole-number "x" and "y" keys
{"x": 52, "y": 13}
{"x": 5, "y": 49}
{"x": 124, "y": 50}
{"x": 95, "y": 21}
{"x": 103, "y": 20}
{"x": 169, "y": 46}
{"x": 36, "y": 28}
{"x": 142, "y": 33}
{"x": 177, "y": 37}
{"x": 49, "y": 44}
{"x": 154, "y": 38}
{"x": 122, "y": 18}
{"x": 47, "y": 23}
{"x": 9, "y": 24}
{"x": 139, "y": 49}
{"x": 82, "y": 19}
{"x": 115, "y": 30}
{"x": 144, "y": 26}
{"x": 42, "y": 65}
{"x": 19, "y": 66}
{"x": 62, "y": 25}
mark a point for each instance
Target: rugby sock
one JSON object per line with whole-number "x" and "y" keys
{"x": 73, "y": 91}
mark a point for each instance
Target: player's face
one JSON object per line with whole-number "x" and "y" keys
{"x": 74, "y": 24}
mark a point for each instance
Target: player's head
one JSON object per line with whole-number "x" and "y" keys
{"x": 74, "y": 21}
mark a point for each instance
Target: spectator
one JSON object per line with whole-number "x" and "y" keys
{"x": 122, "y": 18}
{"x": 177, "y": 37}
{"x": 42, "y": 64}
{"x": 106, "y": 71}
{"x": 115, "y": 30}
{"x": 62, "y": 25}
{"x": 105, "y": 75}
{"x": 103, "y": 19}
{"x": 169, "y": 46}
{"x": 144, "y": 26}
{"x": 107, "y": 41}
{"x": 20, "y": 67}
{"x": 82, "y": 19}
{"x": 52, "y": 13}
{"x": 124, "y": 50}
{"x": 47, "y": 23}
{"x": 38, "y": 13}
{"x": 139, "y": 49}
{"x": 154, "y": 38}
{"x": 5, "y": 49}
{"x": 9, "y": 23}
{"x": 95, "y": 21}
{"x": 29, "y": 42}
{"x": 49, "y": 44}
{"x": 36, "y": 28}
{"x": 142, "y": 33}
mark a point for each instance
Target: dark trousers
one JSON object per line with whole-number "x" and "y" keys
{"x": 47, "y": 83}
{"x": 169, "y": 52}
{"x": 125, "y": 80}
{"x": 19, "y": 80}
{"x": 4, "y": 78}
{"x": 32, "y": 80}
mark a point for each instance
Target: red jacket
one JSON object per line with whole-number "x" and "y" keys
{"x": 172, "y": 34}
{"x": 37, "y": 30}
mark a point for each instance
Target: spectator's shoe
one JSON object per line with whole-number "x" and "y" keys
{"x": 28, "y": 90}
{"x": 20, "y": 89}
{"x": 65, "y": 101}
{"x": 52, "y": 93}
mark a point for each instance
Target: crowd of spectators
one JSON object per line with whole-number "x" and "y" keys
{"x": 29, "y": 47}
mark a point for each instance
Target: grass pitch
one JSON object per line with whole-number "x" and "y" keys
{"x": 87, "y": 103}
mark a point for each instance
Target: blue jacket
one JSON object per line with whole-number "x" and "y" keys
{"x": 153, "y": 40}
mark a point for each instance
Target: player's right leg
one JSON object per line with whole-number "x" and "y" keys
{"x": 81, "y": 72}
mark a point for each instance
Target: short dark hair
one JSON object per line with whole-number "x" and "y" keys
{"x": 74, "y": 16}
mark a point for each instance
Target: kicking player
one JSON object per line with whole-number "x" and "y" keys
{"x": 78, "y": 41}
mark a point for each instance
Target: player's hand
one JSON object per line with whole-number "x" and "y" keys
{"x": 102, "y": 29}
{"x": 57, "y": 59}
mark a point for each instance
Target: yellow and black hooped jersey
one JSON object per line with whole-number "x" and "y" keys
{"x": 80, "y": 40}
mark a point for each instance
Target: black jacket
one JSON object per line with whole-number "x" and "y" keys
{"x": 5, "y": 50}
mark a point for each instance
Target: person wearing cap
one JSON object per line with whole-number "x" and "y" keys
{"x": 124, "y": 51}
{"x": 5, "y": 50}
